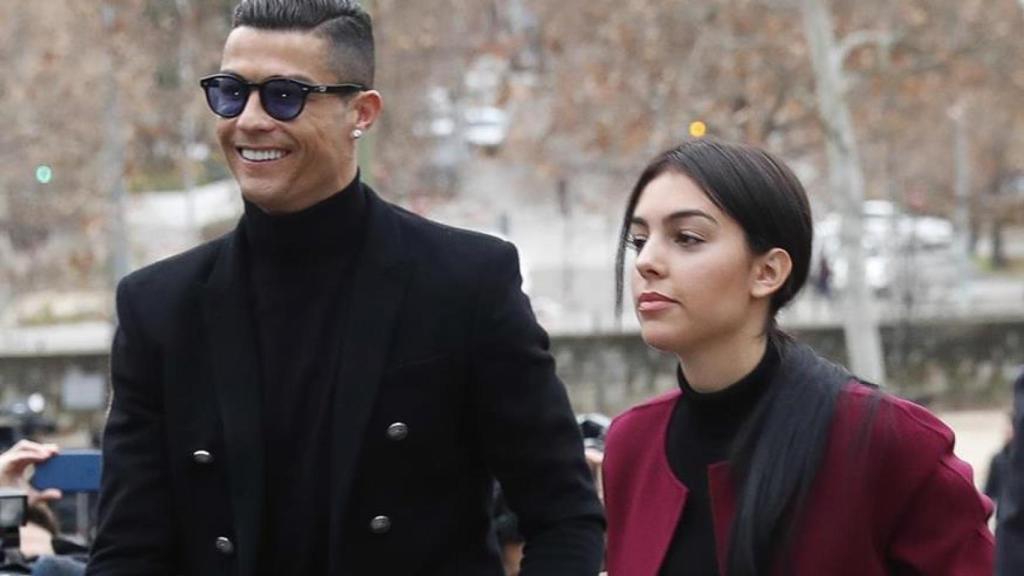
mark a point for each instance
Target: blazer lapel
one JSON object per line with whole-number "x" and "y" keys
{"x": 379, "y": 287}
{"x": 235, "y": 362}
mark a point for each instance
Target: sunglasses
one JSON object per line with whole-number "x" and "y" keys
{"x": 281, "y": 98}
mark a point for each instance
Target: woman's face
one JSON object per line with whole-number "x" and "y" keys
{"x": 695, "y": 278}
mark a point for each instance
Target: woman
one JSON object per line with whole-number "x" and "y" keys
{"x": 768, "y": 459}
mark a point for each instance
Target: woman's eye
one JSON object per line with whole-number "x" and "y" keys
{"x": 686, "y": 239}
{"x": 636, "y": 242}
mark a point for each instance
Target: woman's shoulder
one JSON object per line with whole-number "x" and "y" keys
{"x": 650, "y": 410}
{"x": 901, "y": 443}
{"x": 860, "y": 404}
{"x": 892, "y": 418}
{"x": 915, "y": 479}
{"x": 643, "y": 422}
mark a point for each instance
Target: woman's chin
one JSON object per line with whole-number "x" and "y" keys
{"x": 660, "y": 338}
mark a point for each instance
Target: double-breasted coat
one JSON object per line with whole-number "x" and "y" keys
{"x": 445, "y": 382}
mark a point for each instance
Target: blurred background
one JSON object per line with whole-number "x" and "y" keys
{"x": 531, "y": 120}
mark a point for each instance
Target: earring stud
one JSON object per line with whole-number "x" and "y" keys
{"x": 357, "y": 134}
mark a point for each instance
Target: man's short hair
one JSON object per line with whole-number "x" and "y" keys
{"x": 346, "y": 26}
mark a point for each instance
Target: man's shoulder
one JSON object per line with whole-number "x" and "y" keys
{"x": 184, "y": 268}
{"x": 423, "y": 228}
{"x": 443, "y": 243}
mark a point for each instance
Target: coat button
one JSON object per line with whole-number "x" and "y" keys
{"x": 380, "y": 525}
{"x": 202, "y": 457}
{"x": 398, "y": 431}
{"x": 225, "y": 546}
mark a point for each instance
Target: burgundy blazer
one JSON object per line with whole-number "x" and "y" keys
{"x": 889, "y": 498}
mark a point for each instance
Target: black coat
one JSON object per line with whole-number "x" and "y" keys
{"x": 1010, "y": 532}
{"x": 440, "y": 338}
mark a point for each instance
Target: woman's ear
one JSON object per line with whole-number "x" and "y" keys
{"x": 770, "y": 271}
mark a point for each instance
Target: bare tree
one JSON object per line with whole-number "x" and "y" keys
{"x": 863, "y": 341}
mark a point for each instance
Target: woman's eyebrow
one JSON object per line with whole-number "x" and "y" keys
{"x": 677, "y": 215}
{"x": 693, "y": 213}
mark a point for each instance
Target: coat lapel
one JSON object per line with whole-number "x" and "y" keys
{"x": 722, "y": 493}
{"x": 643, "y": 518}
{"x": 235, "y": 363}
{"x": 378, "y": 289}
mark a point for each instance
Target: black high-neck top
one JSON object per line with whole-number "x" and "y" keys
{"x": 300, "y": 281}
{"x": 700, "y": 433}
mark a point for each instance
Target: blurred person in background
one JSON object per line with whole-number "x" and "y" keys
{"x": 41, "y": 524}
{"x": 998, "y": 467}
{"x": 1010, "y": 531}
{"x": 768, "y": 459}
{"x": 331, "y": 388}
{"x": 40, "y": 536}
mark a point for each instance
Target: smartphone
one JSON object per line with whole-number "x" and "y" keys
{"x": 69, "y": 471}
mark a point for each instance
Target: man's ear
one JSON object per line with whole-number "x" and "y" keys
{"x": 367, "y": 106}
{"x": 769, "y": 272}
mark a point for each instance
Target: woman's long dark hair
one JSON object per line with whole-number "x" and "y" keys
{"x": 777, "y": 453}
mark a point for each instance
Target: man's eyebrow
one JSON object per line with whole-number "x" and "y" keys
{"x": 677, "y": 215}
{"x": 299, "y": 77}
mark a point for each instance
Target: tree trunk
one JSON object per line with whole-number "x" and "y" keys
{"x": 113, "y": 160}
{"x": 187, "y": 128}
{"x": 860, "y": 324}
{"x": 999, "y": 261}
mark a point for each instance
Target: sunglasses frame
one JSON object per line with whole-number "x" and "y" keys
{"x": 306, "y": 90}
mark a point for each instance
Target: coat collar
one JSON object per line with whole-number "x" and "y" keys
{"x": 381, "y": 277}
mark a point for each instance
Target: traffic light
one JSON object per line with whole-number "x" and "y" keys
{"x": 44, "y": 174}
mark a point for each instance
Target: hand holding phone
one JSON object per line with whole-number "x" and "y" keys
{"x": 15, "y": 460}
{"x": 69, "y": 471}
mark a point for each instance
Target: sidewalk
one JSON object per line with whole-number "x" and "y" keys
{"x": 979, "y": 435}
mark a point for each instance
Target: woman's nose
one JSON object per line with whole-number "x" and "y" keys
{"x": 648, "y": 261}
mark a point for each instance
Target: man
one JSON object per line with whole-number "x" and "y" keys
{"x": 332, "y": 387}
{"x": 1010, "y": 531}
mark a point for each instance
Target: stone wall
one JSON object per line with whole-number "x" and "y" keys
{"x": 947, "y": 363}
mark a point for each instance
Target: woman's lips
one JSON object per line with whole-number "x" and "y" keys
{"x": 654, "y": 302}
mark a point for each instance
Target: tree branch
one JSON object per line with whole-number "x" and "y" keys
{"x": 855, "y": 40}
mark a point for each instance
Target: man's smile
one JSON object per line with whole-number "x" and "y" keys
{"x": 262, "y": 154}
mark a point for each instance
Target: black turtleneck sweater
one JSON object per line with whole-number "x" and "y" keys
{"x": 700, "y": 433}
{"x": 300, "y": 281}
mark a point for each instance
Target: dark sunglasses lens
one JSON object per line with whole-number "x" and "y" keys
{"x": 226, "y": 96}
{"x": 282, "y": 99}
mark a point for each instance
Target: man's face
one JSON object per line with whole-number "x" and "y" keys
{"x": 287, "y": 166}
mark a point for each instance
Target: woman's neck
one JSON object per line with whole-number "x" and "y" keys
{"x": 717, "y": 366}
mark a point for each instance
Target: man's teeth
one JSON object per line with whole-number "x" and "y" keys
{"x": 261, "y": 155}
